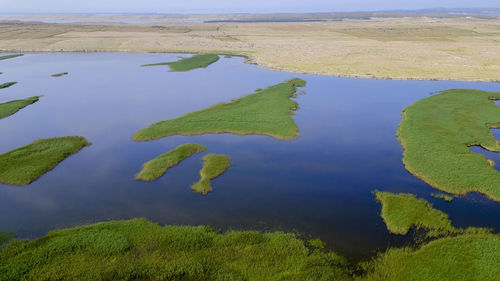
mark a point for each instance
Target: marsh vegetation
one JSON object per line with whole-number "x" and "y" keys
{"x": 10, "y": 56}
{"x": 157, "y": 167}
{"x": 267, "y": 112}
{"x": 11, "y": 107}
{"x": 25, "y": 164}
{"x": 214, "y": 165}
{"x": 190, "y": 63}
{"x": 436, "y": 133}
{"x": 7, "y": 85}
{"x": 59, "y": 74}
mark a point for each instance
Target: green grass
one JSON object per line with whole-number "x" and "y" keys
{"x": 186, "y": 64}
{"x": 267, "y": 112}
{"x": 157, "y": 167}
{"x": 401, "y": 212}
{"x": 59, "y": 74}
{"x": 10, "y": 56}
{"x": 316, "y": 243}
{"x": 11, "y": 107}
{"x": 436, "y": 133}
{"x": 214, "y": 165}
{"x": 443, "y": 196}
{"x": 23, "y": 165}
{"x": 141, "y": 250}
{"x": 6, "y": 85}
{"x": 470, "y": 257}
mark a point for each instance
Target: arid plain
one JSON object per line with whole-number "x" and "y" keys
{"x": 404, "y": 47}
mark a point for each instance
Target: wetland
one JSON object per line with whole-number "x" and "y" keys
{"x": 318, "y": 184}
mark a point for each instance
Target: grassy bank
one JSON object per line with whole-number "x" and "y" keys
{"x": 471, "y": 257}
{"x": 10, "y": 56}
{"x": 186, "y": 64}
{"x": 23, "y": 165}
{"x": 267, "y": 112}
{"x": 214, "y": 165}
{"x": 6, "y": 85}
{"x": 157, "y": 167}
{"x": 59, "y": 74}
{"x": 11, "y": 107}
{"x": 436, "y": 133}
{"x": 402, "y": 211}
{"x": 141, "y": 250}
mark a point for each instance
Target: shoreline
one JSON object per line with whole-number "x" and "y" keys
{"x": 250, "y": 60}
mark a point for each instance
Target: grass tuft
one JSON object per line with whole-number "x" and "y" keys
{"x": 158, "y": 167}
{"x": 316, "y": 243}
{"x": 214, "y": 165}
{"x": 141, "y": 250}
{"x": 436, "y": 133}
{"x": 267, "y": 112}
{"x": 443, "y": 196}
{"x": 59, "y": 74}
{"x": 9, "y": 108}
{"x": 186, "y": 64}
{"x": 7, "y": 85}
{"x": 23, "y": 165}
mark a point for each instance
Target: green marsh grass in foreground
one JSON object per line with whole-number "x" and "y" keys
{"x": 186, "y": 64}
{"x": 141, "y": 250}
{"x": 267, "y": 112}
{"x": 436, "y": 133}
{"x": 11, "y": 107}
{"x": 214, "y": 165}
{"x": 23, "y": 165}
{"x": 157, "y": 167}
{"x": 59, "y": 74}
{"x": 402, "y": 211}
{"x": 470, "y": 257}
{"x": 7, "y": 85}
{"x": 10, "y": 56}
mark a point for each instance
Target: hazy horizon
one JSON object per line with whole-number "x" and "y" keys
{"x": 219, "y": 6}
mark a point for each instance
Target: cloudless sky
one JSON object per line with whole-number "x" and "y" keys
{"x": 214, "y": 6}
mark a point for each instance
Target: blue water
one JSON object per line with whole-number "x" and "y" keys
{"x": 318, "y": 185}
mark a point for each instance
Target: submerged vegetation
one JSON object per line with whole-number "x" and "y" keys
{"x": 10, "y": 56}
{"x": 59, "y": 74}
{"x": 157, "y": 167}
{"x": 402, "y": 211}
{"x": 141, "y": 250}
{"x": 23, "y": 165}
{"x": 11, "y": 107}
{"x": 214, "y": 165}
{"x": 267, "y": 112}
{"x": 186, "y": 64}
{"x": 436, "y": 133}
{"x": 6, "y": 85}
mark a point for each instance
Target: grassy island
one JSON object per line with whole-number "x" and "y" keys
{"x": 11, "y": 107}
{"x": 59, "y": 74}
{"x": 214, "y": 165}
{"x": 436, "y": 133}
{"x": 157, "y": 167}
{"x": 23, "y": 165}
{"x": 6, "y": 85}
{"x": 10, "y": 56}
{"x": 402, "y": 211}
{"x": 267, "y": 112}
{"x": 443, "y": 196}
{"x": 186, "y": 64}
{"x": 141, "y": 250}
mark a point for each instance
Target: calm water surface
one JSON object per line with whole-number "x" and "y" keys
{"x": 318, "y": 185}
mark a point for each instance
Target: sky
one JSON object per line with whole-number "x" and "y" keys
{"x": 223, "y": 6}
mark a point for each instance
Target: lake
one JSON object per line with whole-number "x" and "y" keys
{"x": 318, "y": 185}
